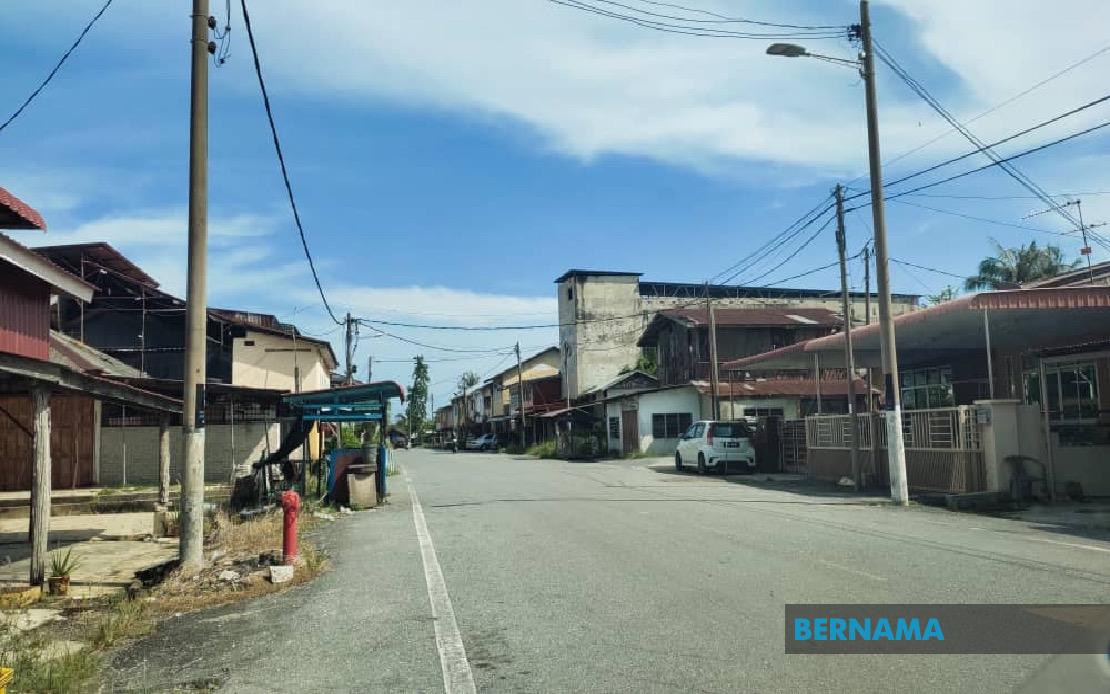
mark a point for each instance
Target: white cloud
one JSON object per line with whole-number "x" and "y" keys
{"x": 591, "y": 86}
{"x": 155, "y": 240}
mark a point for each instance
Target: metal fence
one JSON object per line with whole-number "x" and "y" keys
{"x": 948, "y": 428}
{"x": 943, "y": 451}
{"x": 793, "y": 441}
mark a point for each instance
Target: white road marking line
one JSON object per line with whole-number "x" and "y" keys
{"x": 1072, "y": 544}
{"x": 857, "y": 572}
{"x": 457, "y": 677}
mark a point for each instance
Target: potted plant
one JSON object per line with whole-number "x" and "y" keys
{"x": 61, "y": 567}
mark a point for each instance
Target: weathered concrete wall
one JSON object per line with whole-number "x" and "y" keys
{"x": 269, "y": 362}
{"x": 595, "y": 350}
{"x": 129, "y": 455}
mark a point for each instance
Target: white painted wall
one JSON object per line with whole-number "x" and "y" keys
{"x": 260, "y": 366}
{"x": 648, "y": 404}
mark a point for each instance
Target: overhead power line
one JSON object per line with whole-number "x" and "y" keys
{"x": 694, "y": 27}
{"x": 714, "y": 18}
{"x": 793, "y": 230}
{"x": 1026, "y": 131}
{"x": 986, "y": 150}
{"x": 928, "y": 269}
{"x": 57, "y": 66}
{"x": 1007, "y": 102}
{"x": 986, "y": 220}
{"x": 281, "y": 162}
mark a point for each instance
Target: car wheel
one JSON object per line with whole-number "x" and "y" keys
{"x": 678, "y": 461}
{"x": 701, "y": 463}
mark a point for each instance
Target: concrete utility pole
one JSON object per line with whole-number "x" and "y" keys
{"x": 896, "y": 449}
{"x": 349, "y": 352}
{"x": 849, "y": 355}
{"x": 520, "y": 386}
{"x": 196, "y": 310}
{"x": 714, "y": 380}
{"x": 370, "y": 368}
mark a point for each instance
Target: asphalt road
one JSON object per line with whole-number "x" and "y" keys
{"x": 622, "y": 577}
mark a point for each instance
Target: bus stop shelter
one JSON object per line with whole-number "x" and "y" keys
{"x": 364, "y": 402}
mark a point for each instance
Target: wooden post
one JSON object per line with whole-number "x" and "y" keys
{"x": 40, "y": 484}
{"x": 164, "y": 460}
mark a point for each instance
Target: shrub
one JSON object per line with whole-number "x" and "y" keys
{"x": 545, "y": 449}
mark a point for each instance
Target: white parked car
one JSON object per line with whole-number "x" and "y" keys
{"x": 719, "y": 446}
{"x": 485, "y": 442}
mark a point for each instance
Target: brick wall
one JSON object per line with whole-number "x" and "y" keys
{"x": 252, "y": 442}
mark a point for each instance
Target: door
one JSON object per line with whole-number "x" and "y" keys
{"x": 630, "y": 432}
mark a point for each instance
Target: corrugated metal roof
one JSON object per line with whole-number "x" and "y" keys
{"x": 66, "y": 351}
{"x": 759, "y": 317}
{"x": 96, "y": 253}
{"x": 16, "y": 214}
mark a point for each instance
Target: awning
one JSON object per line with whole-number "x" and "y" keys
{"x": 1019, "y": 320}
{"x": 63, "y": 378}
{"x": 356, "y": 403}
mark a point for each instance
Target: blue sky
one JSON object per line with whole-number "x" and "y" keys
{"x": 450, "y": 160}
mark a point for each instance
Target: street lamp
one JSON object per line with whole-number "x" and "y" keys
{"x": 896, "y": 451}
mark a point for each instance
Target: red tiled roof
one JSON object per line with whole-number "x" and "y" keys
{"x": 16, "y": 214}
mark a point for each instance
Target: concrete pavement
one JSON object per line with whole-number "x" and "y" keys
{"x": 623, "y": 577}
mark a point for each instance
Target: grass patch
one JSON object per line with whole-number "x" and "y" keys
{"x": 543, "y": 450}
{"x": 124, "y": 619}
{"x": 119, "y": 620}
{"x": 32, "y": 672}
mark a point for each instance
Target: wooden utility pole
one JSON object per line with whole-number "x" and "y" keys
{"x": 196, "y": 311}
{"x": 714, "y": 380}
{"x": 849, "y": 355}
{"x": 520, "y": 387}
{"x": 349, "y": 351}
{"x": 40, "y": 484}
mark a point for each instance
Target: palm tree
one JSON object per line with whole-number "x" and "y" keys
{"x": 1014, "y": 266}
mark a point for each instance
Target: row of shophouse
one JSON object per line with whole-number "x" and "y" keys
{"x": 987, "y": 380}
{"x": 91, "y": 340}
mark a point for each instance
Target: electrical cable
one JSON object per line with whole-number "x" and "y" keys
{"x": 668, "y": 27}
{"x": 776, "y": 238}
{"x": 281, "y": 161}
{"x": 929, "y": 269}
{"x": 933, "y": 103}
{"x": 715, "y": 18}
{"x": 57, "y": 66}
{"x": 1038, "y": 85}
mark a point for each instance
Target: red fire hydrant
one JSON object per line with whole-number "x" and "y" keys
{"x": 290, "y": 504}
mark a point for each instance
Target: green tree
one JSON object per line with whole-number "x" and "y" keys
{"x": 416, "y": 413}
{"x": 467, "y": 380}
{"x": 1013, "y": 266}
{"x": 946, "y": 294}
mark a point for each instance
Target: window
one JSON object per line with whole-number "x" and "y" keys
{"x": 670, "y": 425}
{"x": 927, "y": 388}
{"x": 1072, "y": 391}
{"x": 614, "y": 427}
{"x": 248, "y": 343}
{"x": 764, "y": 412}
{"x": 570, "y": 293}
{"x": 731, "y": 430}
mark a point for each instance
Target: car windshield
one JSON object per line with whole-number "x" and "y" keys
{"x": 731, "y": 430}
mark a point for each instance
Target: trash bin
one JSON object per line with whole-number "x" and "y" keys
{"x": 362, "y": 490}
